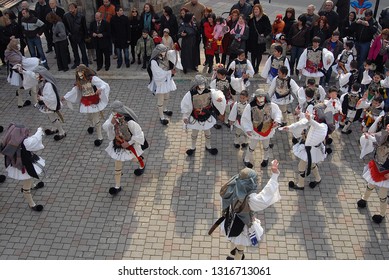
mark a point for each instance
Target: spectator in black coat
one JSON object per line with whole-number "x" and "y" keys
{"x": 100, "y": 32}
{"x": 363, "y": 31}
{"x": 42, "y": 8}
{"x": 135, "y": 32}
{"x": 321, "y": 29}
{"x": 75, "y": 24}
{"x": 384, "y": 18}
{"x": 289, "y": 19}
{"x": 259, "y": 25}
{"x": 169, "y": 21}
{"x": 345, "y": 30}
{"x": 120, "y": 31}
{"x": 148, "y": 17}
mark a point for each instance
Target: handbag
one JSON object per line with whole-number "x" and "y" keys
{"x": 261, "y": 39}
{"x": 234, "y": 46}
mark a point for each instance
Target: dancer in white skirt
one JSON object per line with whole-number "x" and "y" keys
{"x": 92, "y": 94}
{"x": 240, "y": 202}
{"x": 20, "y": 160}
{"x": 161, "y": 74}
{"x": 18, "y": 65}
{"x": 259, "y": 121}
{"x": 49, "y": 102}
{"x": 376, "y": 173}
{"x": 310, "y": 150}
{"x": 199, "y": 106}
{"x": 127, "y": 141}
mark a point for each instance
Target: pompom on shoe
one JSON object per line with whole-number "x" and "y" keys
{"x": 378, "y": 219}
{"x": 168, "y": 113}
{"x": 59, "y": 137}
{"x": 314, "y": 184}
{"x": 37, "y": 208}
{"x": 212, "y": 151}
{"x": 292, "y": 185}
{"x": 90, "y": 129}
{"x": 190, "y": 152}
{"x": 2, "y": 178}
{"x": 139, "y": 171}
{"x": 114, "y": 191}
{"x": 38, "y": 186}
{"x": 265, "y": 162}
{"x": 98, "y": 142}
{"x": 50, "y": 132}
{"x": 248, "y": 164}
{"x": 362, "y": 203}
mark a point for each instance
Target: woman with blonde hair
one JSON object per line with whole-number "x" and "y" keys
{"x": 259, "y": 29}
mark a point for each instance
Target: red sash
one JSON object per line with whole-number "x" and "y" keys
{"x": 90, "y": 100}
{"x": 377, "y": 175}
{"x": 263, "y": 134}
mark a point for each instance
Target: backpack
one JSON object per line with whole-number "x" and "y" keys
{"x": 236, "y": 210}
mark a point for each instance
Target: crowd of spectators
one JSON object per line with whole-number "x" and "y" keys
{"x": 112, "y": 34}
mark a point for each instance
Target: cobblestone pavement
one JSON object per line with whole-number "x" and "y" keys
{"x": 167, "y": 212}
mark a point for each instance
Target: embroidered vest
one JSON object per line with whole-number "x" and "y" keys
{"x": 276, "y": 63}
{"x": 202, "y": 105}
{"x": 261, "y": 118}
{"x": 224, "y": 86}
{"x": 282, "y": 87}
{"x": 314, "y": 60}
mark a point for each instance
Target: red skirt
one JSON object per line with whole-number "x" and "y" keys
{"x": 377, "y": 175}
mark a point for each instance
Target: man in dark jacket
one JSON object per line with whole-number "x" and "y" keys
{"x": 42, "y": 9}
{"x": 101, "y": 37}
{"x": 331, "y": 15}
{"x": 32, "y": 29}
{"x": 120, "y": 31}
{"x": 363, "y": 30}
{"x": 384, "y": 18}
{"x": 77, "y": 31}
{"x": 244, "y": 8}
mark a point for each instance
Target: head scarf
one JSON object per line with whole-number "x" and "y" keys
{"x": 11, "y": 145}
{"x": 118, "y": 107}
{"x": 160, "y": 48}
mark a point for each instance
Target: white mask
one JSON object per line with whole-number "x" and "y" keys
{"x": 18, "y": 46}
{"x": 261, "y": 100}
{"x": 200, "y": 89}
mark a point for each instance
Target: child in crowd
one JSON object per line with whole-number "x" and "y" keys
{"x": 234, "y": 118}
{"x": 372, "y": 113}
{"x": 156, "y": 38}
{"x": 167, "y": 40}
{"x": 144, "y": 47}
{"x": 219, "y": 30}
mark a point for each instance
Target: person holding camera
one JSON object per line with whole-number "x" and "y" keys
{"x": 363, "y": 30}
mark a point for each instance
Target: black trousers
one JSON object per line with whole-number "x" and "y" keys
{"x": 100, "y": 53}
{"x": 62, "y": 53}
{"x": 49, "y": 38}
